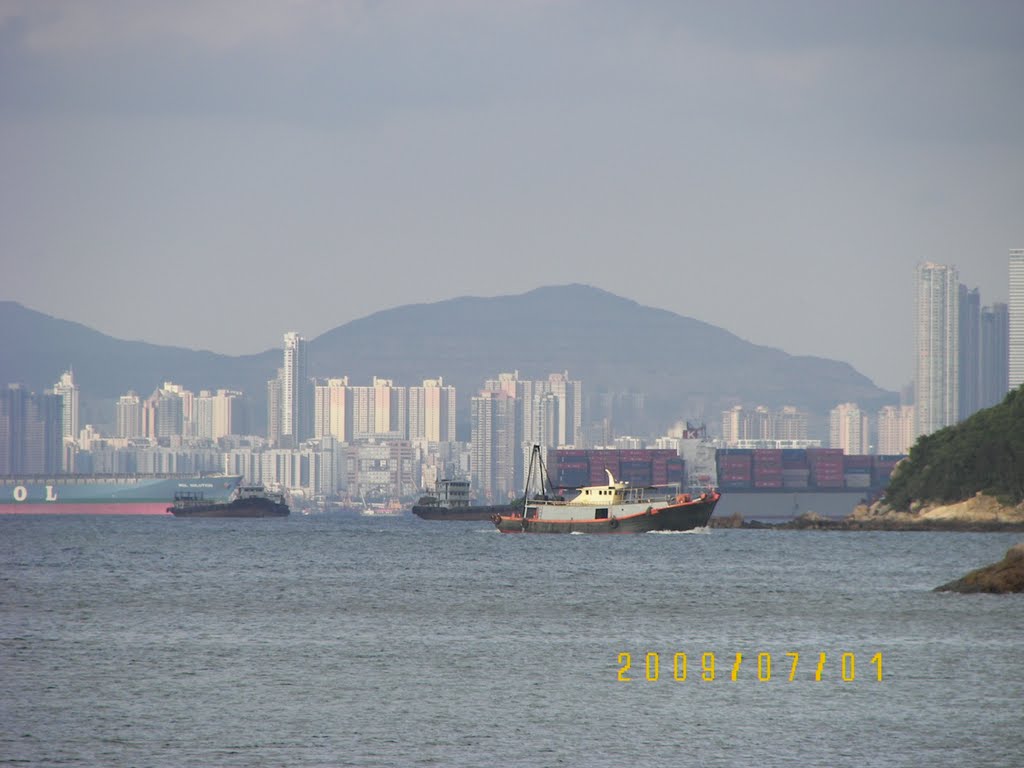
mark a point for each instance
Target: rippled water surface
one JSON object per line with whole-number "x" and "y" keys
{"x": 354, "y": 642}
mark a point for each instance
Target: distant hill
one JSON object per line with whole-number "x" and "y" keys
{"x": 684, "y": 366}
{"x": 35, "y": 349}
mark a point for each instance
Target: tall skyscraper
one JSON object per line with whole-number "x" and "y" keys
{"x": 68, "y": 391}
{"x": 294, "y": 394}
{"x": 170, "y": 410}
{"x": 969, "y": 350}
{"x": 493, "y": 447}
{"x": 274, "y": 408}
{"x": 568, "y": 420}
{"x": 936, "y": 331}
{"x": 994, "y": 370}
{"x": 1016, "y": 309}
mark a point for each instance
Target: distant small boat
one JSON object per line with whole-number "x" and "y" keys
{"x": 617, "y": 507}
{"x": 387, "y": 509}
{"x": 250, "y": 501}
{"x": 451, "y": 502}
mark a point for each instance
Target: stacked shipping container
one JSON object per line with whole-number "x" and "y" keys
{"x": 767, "y": 469}
{"x": 573, "y": 468}
{"x": 813, "y": 468}
{"x": 734, "y": 467}
{"x": 796, "y": 470}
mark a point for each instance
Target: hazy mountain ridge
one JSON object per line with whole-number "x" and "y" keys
{"x": 611, "y": 343}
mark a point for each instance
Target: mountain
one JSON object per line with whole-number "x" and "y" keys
{"x": 684, "y": 366}
{"x": 35, "y": 349}
{"x": 610, "y": 343}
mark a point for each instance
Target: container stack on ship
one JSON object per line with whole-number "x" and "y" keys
{"x": 787, "y": 482}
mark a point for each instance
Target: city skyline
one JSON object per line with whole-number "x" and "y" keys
{"x": 382, "y": 156}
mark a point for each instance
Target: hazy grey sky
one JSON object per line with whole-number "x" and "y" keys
{"x": 211, "y": 174}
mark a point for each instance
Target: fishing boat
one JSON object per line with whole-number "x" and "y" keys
{"x": 617, "y": 507}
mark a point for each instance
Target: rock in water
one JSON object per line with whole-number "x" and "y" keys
{"x": 1005, "y": 576}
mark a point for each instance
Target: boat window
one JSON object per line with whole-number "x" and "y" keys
{"x": 601, "y": 514}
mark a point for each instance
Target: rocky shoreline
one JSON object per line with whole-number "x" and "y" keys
{"x": 1005, "y": 576}
{"x": 978, "y": 514}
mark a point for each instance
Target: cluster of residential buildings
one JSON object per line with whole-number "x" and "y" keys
{"x": 330, "y": 438}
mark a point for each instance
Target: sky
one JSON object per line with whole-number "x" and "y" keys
{"x": 211, "y": 174}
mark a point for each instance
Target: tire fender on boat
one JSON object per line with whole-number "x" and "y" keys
{"x": 613, "y": 523}
{"x": 496, "y": 519}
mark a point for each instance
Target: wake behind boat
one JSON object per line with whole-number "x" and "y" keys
{"x": 614, "y": 508}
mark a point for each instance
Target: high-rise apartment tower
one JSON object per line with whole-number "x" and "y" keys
{"x": 936, "y": 333}
{"x": 1016, "y": 318}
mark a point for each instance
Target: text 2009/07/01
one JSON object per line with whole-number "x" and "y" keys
{"x": 742, "y": 666}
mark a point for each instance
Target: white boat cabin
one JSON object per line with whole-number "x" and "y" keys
{"x": 601, "y": 502}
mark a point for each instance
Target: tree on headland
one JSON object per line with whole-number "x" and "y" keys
{"x": 983, "y": 453}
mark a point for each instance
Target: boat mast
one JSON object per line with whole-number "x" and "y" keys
{"x": 535, "y": 451}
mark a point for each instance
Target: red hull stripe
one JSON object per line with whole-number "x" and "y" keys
{"x": 133, "y": 508}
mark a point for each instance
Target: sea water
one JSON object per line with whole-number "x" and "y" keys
{"x": 332, "y": 641}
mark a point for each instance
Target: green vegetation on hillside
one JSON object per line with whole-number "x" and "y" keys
{"x": 984, "y": 453}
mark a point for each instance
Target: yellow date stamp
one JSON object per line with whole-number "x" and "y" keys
{"x": 652, "y": 667}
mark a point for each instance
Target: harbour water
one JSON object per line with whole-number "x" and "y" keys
{"x": 320, "y": 641}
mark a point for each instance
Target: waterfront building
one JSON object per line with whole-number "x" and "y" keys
{"x": 969, "y": 350}
{"x": 936, "y": 332}
{"x": 848, "y": 429}
{"x": 1016, "y": 317}
{"x": 895, "y": 430}
{"x": 994, "y": 371}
